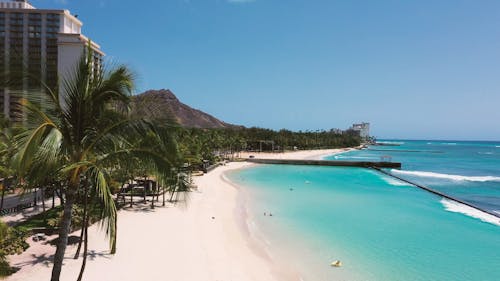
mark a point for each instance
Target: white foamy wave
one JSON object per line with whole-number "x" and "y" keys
{"x": 395, "y": 182}
{"x": 497, "y": 146}
{"x": 486, "y": 153}
{"x": 456, "y": 207}
{"x": 352, "y": 157}
{"x": 391, "y": 142}
{"x": 446, "y": 176}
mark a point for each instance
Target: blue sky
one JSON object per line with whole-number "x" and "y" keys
{"x": 413, "y": 69}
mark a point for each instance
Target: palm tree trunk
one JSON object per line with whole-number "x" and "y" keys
{"x": 85, "y": 249}
{"x": 53, "y": 189}
{"x": 82, "y": 234}
{"x": 60, "y": 195}
{"x": 5, "y": 186}
{"x": 131, "y": 196}
{"x": 3, "y": 195}
{"x": 173, "y": 192}
{"x": 42, "y": 190}
{"x": 144, "y": 190}
{"x": 163, "y": 195}
{"x": 63, "y": 235}
{"x": 34, "y": 197}
{"x": 84, "y": 220}
{"x": 121, "y": 191}
{"x": 150, "y": 184}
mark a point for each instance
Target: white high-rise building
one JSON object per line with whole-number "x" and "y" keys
{"x": 363, "y": 129}
{"x": 44, "y": 43}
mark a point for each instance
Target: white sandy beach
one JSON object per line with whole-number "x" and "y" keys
{"x": 204, "y": 238}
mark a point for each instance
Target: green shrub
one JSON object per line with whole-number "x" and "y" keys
{"x": 12, "y": 241}
{"x": 76, "y": 218}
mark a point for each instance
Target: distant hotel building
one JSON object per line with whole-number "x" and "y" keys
{"x": 47, "y": 44}
{"x": 363, "y": 129}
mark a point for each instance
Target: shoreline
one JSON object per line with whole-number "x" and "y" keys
{"x": 255, "y": 237}
{"x": 317, "y": 154}
{"x": 202, "y": 238}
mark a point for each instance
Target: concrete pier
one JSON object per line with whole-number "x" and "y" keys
{"x": 361, "y": 164}
{"x": 378, "y": 166}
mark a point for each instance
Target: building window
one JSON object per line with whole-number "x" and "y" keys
{"x": 34, "y": 35}
{"x": 53, "y": 16}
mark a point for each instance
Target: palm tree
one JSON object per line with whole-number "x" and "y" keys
{"x": 4, "y": 264}
{"x": 80, "y": 130}
{"x": 7, "y": 151}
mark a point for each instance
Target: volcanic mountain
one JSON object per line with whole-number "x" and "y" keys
{"x": 163, "y": 104}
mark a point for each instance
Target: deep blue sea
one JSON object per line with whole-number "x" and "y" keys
{"x": 467, "y": 170}
{"x": 381, "y": 228}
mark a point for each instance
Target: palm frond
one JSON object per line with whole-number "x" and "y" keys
{"x": 28, "y": 143}
{"x": 50, "y": 148}
{"x": 99, "y": 180}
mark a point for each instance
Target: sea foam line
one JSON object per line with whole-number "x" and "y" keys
{"x": 391, "y": 142}
{"x": 447, "y": 176}
{"x": 456, "y": 207}
{"x": 395, "y": 182}
{"x": 352, "y": 157}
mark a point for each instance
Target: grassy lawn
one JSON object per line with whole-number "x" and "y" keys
{"x": 39, "y": 220}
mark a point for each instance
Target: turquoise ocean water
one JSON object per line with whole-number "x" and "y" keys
{"x": 380, "y": 228}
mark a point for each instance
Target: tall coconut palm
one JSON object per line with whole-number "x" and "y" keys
{"x": 7, "y": 151}
{"x": 80, "y": 131}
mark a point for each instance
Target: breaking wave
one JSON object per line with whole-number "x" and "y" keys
{"x": 391, "y": 142}
{"x": 352, "y": 157}
{"x": 456, "y": 207}
{"x": 447, "y": 176}
{"x": 394, "y": 182}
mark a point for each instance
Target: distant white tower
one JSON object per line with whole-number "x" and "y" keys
{"x": 363, "y": 129}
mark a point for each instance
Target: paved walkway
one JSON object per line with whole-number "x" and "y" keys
{"x": 13, "y": 200}
{"x": 15, "y": 218}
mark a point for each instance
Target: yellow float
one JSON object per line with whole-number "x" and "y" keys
{"x": 336, "y": 263}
